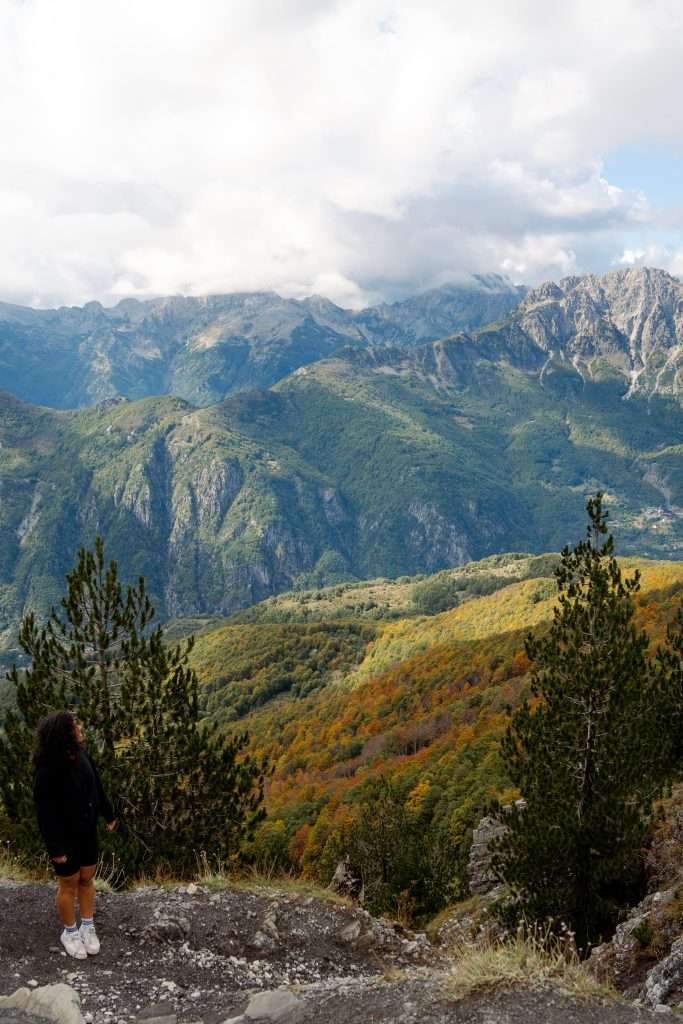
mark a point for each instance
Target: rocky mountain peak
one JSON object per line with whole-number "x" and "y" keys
{"x": 618, "y": 290}
{"x": 626, "y": 323}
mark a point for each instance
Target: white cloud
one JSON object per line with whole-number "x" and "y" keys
{"x": 361, "y": 148}
{"x": 657, "y": 254}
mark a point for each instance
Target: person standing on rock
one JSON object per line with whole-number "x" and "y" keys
{"x": 69, "y": 798}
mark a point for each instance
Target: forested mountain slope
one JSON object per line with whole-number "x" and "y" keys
{"x": 422, "y": 701}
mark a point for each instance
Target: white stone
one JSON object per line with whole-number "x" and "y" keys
{"x": 278, "y": 1005}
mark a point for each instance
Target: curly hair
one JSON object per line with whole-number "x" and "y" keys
{"x": 56, "y": 741}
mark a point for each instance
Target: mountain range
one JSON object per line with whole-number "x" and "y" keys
{"x": 368, "y": 460}
{"x": 203, "y": 349}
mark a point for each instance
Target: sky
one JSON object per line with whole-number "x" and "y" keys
{"x": 359, "y": 149}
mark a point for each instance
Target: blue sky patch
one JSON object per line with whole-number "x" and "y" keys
{"x": 653, "y": 169}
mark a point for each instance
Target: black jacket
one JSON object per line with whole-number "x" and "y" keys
{"x": 68, "y": 803}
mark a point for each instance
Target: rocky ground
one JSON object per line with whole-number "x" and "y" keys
{"x": 189, "y": 954}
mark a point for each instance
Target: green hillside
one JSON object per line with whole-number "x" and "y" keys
{"x": 383, "y": 599}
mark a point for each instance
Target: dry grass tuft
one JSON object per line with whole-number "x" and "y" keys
{"x": 110, "y": 876}
{"x": 217, "y": 876}
{"x": 14, "y": 867}
{"x": 533, "y": 958}
{"x": 272, "y": 883}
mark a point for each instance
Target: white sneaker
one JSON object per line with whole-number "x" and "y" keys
{"x": 73, "y": 944}
{"x": 88, "y": 937}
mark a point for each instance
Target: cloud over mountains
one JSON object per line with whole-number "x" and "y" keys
{"x": 356, "y": 148}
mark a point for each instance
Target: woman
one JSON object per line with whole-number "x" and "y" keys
{"x": 69, "y": 798}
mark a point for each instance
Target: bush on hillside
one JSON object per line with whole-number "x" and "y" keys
{"x": 406, "y": 867}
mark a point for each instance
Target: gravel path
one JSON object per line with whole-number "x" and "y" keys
{"x": 204, "y": 952}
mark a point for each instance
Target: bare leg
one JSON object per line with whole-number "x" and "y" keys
{"x": 66, "y": 900}
{"x": 86, "y": 891}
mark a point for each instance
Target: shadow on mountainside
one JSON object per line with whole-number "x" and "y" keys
{"x": 206, "y": 955}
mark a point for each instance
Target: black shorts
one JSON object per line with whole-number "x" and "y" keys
{"x": 81, "y": 852}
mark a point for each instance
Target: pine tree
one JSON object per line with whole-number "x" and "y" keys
{"x": 588, "y": 751}
{"x": 180, "y": 788}
{"x": 669, "y": 667}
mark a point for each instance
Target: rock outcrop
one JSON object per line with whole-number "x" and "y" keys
{"x": 627, "y": 322}
{"x": 482, "y": 879}
{"x": 644, "y": 958}
{"x": 479, "y": 870}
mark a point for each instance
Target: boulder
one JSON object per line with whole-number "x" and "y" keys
{"x": 278, "y": 1005}
{"x": 351, "y": 933}
{"x": 59, "y": 1003}
{"x": 263, "y": 942}
{"x": 665, "y": 978}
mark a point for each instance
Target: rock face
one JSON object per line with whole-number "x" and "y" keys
{"x": 665, "y": 978}
{"x": 644, "y": 958}
{"x": 628, "y": 323}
